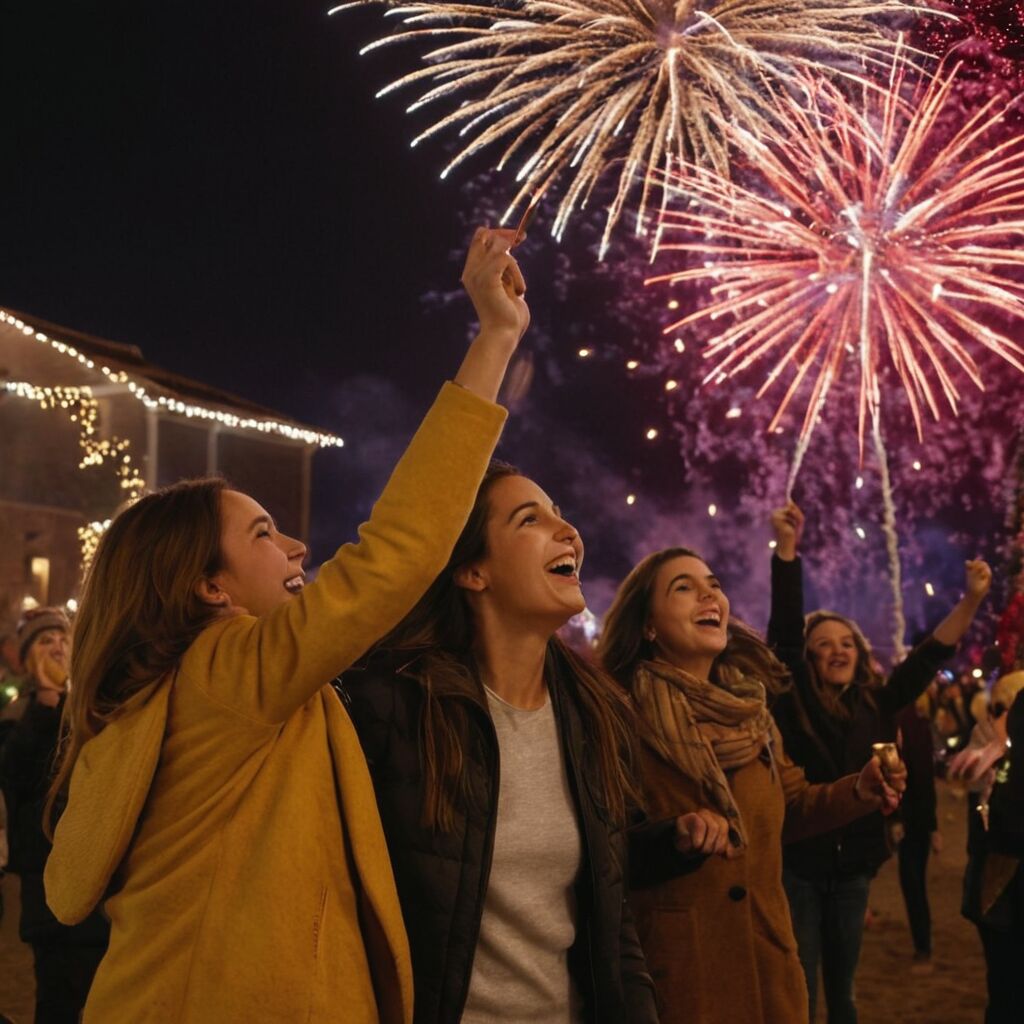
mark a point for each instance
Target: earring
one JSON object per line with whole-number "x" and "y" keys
{"x": 651, "y": 635}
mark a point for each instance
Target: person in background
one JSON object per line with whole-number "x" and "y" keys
{"x": 14, "y": 682}
{"x": 837, "y": 708}
{"x": 993, "y": 895}
{"x": 921, "y": 835}
{"x": 710, "y": 908}
{"x": 65, "y": 958}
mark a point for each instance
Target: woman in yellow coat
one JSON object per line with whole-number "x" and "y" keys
{"x": 710, "y": 909}
{"x": 220, "y": 806}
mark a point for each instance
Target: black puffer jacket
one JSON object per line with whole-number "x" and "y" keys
{"x": 442, "y": 876}
{"x": 826, "y": 747}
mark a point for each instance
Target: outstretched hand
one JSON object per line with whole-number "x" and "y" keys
{"x": 495, "y": 284}
{"x": 788, "y": 526}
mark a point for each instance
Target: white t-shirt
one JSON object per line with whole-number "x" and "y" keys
{"x": 520, "y": 968}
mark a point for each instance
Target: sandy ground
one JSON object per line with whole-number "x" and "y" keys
{"x": 886, "y": 992}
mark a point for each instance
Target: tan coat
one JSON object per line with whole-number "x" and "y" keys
{"x": 229, "y": 816}
{"x": 718, "y": 940}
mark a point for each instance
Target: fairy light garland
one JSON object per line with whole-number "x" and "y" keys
{"x": 190, "y": 410}
{"x": 83, "y": 410}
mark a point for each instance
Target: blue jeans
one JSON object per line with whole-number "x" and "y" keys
{"x": 828, "y": 921}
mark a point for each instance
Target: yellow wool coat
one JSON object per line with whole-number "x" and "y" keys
{"x": 718, "y": 938}
{"x": 228, "y": 816}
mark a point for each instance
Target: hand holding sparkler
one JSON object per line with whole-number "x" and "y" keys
{"x": 788, "y": 526}
{"x": 496, "y": 287}
{"x": 883, "y": 779}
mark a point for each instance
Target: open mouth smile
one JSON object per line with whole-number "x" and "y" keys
{"x": 294, "y": 584}
{"x": 712, "y": 618}
{"x": 564, "y": 566}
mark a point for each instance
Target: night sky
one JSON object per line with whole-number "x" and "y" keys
{"x": 215, "y": 183}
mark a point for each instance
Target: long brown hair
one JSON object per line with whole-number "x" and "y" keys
{"x": 865, "y": 677}
{"x": 139, "y": 610}
{"x": 439, "y": 633}
{"x": 624, "y": 644}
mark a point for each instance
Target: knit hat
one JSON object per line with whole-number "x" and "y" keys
{"x": 36, "y": 621}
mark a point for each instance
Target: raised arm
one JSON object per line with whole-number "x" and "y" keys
{"x": 786, "y": 623}
{"x": 910, "y": 678}
{"x": 978, "y": 581}
{"x": 265, "y": 668}
{"x": 495, "y": 283}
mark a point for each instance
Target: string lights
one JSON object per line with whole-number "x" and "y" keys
{"x": 82, "y": 409}
{"x": 190, "y": 410}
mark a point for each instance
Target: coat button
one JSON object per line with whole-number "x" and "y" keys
{"x": 737, "y": 892}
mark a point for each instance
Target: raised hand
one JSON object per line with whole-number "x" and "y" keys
{"x": 788, "y": 527}
{"x": 978, "y": 579}
{"x": 495, "y": 283}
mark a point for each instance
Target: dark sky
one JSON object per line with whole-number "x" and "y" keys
{"x": 213, "y": 182}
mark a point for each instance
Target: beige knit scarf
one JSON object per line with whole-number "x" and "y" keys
{"x": 705, "y": 729}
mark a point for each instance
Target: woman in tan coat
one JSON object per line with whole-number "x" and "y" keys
{"x": 710, "y": 909}
{"x": 220, "y": 805}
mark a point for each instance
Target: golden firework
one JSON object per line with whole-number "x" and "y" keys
{"x": 575, "y": 88}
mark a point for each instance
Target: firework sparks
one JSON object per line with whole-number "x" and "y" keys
{"x": 573, "y": 87}
{"x": 866, "y": 236}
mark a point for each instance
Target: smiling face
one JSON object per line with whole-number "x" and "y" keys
{"x": 832, "y": 648}
{"x": 261, "y": 567}
{"x": 54, "y": 644}
{"x": 530, "y": 571}
{"x": 689, "y": 615}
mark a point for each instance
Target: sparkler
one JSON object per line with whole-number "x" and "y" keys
{"x": 864, "y": 237}
{"x": 573, "y": 87}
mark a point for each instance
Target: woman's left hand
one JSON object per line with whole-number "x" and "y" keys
{"x": 883, "y": 788}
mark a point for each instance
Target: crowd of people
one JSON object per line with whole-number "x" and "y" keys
{"x": 395, "y": 794}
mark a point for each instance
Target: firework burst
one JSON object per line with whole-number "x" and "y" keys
{"x": 572, "y": 87}
{"x": 861, "y": 235}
